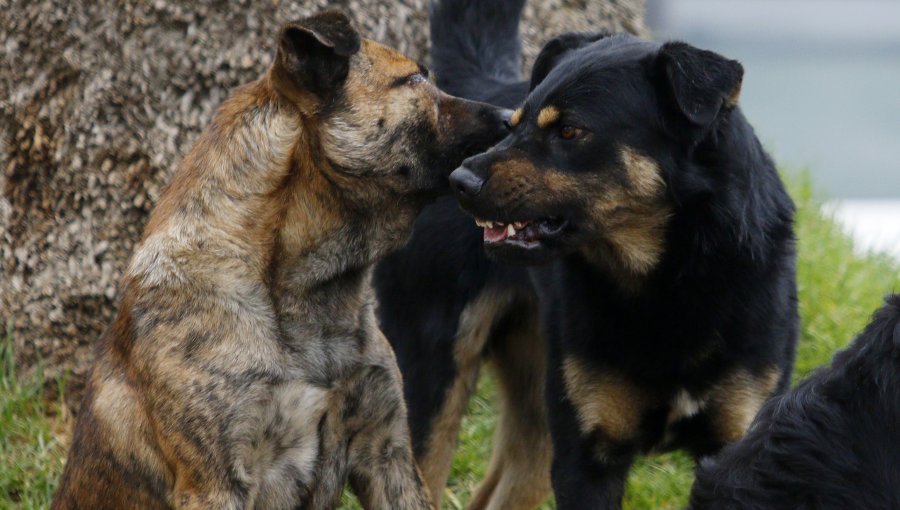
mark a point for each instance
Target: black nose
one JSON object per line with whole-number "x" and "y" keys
{"x": 506, "y": 116}
{"x": 465, "y": 182}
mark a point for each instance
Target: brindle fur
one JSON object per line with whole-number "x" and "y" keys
{"x": 245, "y": 368}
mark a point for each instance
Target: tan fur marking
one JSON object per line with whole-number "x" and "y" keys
{"x": 643, "y": 173}
{"x": 734, "y": 96}
{"x": 547, "y": 116}
{"x": 516, "y": 117}
{"x": 632, "y": 221}
{"x": 737, "y": 399}
{"x": 604, "y": 400}
{"x": 518, "y": 476}
{"x": 475, "y": 326}
{"x": 639, "y": 242}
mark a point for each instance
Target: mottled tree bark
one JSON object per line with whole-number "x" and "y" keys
{"x": 98, "y": 101}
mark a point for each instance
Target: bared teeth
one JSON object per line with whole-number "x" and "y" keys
{"x": 509, "y": 228}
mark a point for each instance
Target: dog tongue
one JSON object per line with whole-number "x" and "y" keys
{"x": 494, "y": 234}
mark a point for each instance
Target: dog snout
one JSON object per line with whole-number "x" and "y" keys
{"x": 465, "y": 183}
{"x": 498, "y": 119}
{"x": 506, "y": 118}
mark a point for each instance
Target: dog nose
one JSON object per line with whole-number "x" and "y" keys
{"x": 465, "y": 183}
{"x": 506, "y": 117}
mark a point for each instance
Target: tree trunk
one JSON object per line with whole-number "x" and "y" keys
{"x": 98, "y": 101}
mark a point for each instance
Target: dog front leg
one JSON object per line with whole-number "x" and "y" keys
{"x": 584, "y": 474}
{"x": 383, "y": 472}
{"x": 519, "y": 474}
{"x": 594, "y": 418}
{"x": 580, "y": 482}
{"x": 191, "y": 498}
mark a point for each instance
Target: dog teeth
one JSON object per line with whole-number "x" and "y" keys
{"x": 510, "y": 228}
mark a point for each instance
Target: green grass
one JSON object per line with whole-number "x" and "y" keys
{"x": 31, "y": 432}
{"x": 839, "y": 289}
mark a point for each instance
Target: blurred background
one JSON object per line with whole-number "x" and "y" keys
{"x": 822, "y": 88}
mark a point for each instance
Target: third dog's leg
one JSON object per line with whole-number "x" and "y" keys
{"x": 519, "y": 473}
{"x": 437, "y": 438}
{"x": 443, "y": 431}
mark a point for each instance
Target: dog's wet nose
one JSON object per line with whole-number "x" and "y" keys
{"x": 465, "y": 183}
{"x": 506, "y": 117}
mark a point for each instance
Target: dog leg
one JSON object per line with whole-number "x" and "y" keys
{"x": 440, "y": 372}
{"x": 186, "y": 498}
{"x": 581, "y": 481}
{"x": 383, "y": 471}
{"x": 441, "y": 441}
{"x": 519, "y": 473}
{"x": 585, "y": 472}
{"x": 594, "y": 417}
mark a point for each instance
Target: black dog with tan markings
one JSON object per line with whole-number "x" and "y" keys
{"x": 667, "y": 286}
{"x": 669, "y": 300}
{"x": 245, "y": 368}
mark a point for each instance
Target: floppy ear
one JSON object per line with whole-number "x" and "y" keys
{"x": 701, "y": 83}
{"x": 555, "y": 49}
{"x": 314, "y": 53}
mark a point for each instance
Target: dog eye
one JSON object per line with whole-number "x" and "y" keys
{"x": 570, "y": 132}
{"x": 416, "y": 78}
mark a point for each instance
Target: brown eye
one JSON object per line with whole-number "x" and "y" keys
{"x": 570, "y": 132}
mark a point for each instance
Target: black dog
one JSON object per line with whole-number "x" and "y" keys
{"x": 446, "y": 307}
{"x": 667, "y": 291}
{"x": 830, "y": 444}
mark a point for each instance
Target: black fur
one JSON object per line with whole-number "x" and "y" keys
{"x": 722, "y": 297}
{"x": 830, "y": 444}
{"x": 316, "y": 51}
{"x": 423, "y": 289}
{"x": 475, "y": 49}
{"x": 557, "y": 48}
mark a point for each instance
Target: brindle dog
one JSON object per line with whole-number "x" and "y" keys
{"x": 245, "y": 368}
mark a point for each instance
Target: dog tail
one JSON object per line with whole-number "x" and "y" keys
{"x": 475, "y": 44}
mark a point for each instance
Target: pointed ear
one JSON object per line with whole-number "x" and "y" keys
{"x": 314, "y": 53}
{"x": 699, "y": 82}
{"x": 556, "y": 49}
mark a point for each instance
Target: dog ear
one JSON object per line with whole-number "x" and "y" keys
{"x": 555, "y": 49}
{"x": 314, "y": 53}
{"x": 699, "y": 82}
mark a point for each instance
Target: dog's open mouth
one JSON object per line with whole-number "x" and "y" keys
{"x": 523, "y": 234}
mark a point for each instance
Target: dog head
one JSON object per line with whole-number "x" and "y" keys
{"x": 608, "y": 124}
{"x": 377, "y": 115}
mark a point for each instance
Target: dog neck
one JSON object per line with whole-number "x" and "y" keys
{"x": 255, "y": 213}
